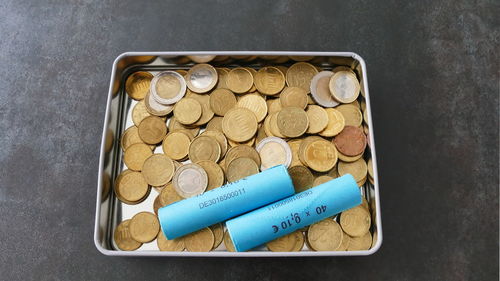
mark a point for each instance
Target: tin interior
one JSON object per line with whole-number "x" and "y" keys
{"x": 110, "y": 211}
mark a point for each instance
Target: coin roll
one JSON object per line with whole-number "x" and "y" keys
{"x": 226, "y": 202}
{"x": 295, "y": 212}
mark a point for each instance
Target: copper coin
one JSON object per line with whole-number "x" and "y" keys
{"x": 351, "y": 141}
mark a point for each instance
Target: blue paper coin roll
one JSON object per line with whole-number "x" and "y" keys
{"x": 230, "y": 200}
{"x": 290, "y": 214}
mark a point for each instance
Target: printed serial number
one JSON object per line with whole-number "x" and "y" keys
{"x": 221, "y": 198}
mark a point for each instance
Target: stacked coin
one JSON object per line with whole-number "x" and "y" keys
{"x": 196, "y": 129}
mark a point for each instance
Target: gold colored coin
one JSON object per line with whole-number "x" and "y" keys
{"x": 168, "y": 195}
{"x": 321, "y": 179}
{"x": 254, "y": 103}
{"x": 345, "y": 242}
{"x": 302, "y": 178}
{"x": 294, "y": 97}
{"x": 206, "y": 112}
{"x": 239, "y": 124}
{"x": 242, "y": 151}
{"x": 200, "y": 241}
{"x": 158, "y": 170}
{"x": 318, "y": 119}
{"x": 254, "y": 73}
{"x": 239, "y": 80}
{"x": 336, "y": 123}
{"x": 174, "y": 245}
{"x": 214, "y": 172}
{"x": 355, "y": 221}
{"x": 222, "y": 81}
{"x": 144, "y": 227}
{"x": 294, "y": 147}
{"x": 282, "y": 68}
{"x": 228, "y": 242}
{"x": 362, "y": 243}
{"x": 302, "y": 148}
{"x": 273, "y": 105}
{"x": 221, "y": 101}
{"x": 219, "y": 137}
{"x": 346, "y": 158}
{"x": 300, "y": 75}
{"x": 325, "y": 235}
{"x": 240, "y": 168}
{"x": 267, "y": 126}
{"x": 218, "y": 231}
{"x": 135, "y": 155}
{"x": 358, "y": 169}
{"x": 344, "y": 86}
{"x": 292, "y": 242}
{"x": 187, "y": 111}
{"x": 130, "y": 137}
{"x": 139, "y": 112}
{"x": 269, "y": 80}
{"x": 131, "y": 187}
{"x": 137, "y": 84}
{"x": 320, "y": 155}
{"x": 204, "y": 148}
{"x": 292, "y": 122}
{"x": 352, "y": 115}
{"x": 123, "y": 239}
{"x": 215, "y": 124}
{"x": 273, "y": 125}
{"x": 201, "y": 78}
{"x": 152, "y": 130}
{"x": 176, "y": 145}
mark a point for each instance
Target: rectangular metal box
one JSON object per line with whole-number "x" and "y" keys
{"x": 110, "y": 211}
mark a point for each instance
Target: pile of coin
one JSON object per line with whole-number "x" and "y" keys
{"x": 196, "y": 129}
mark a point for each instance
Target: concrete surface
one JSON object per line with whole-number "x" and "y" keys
{"x": 433, "y": 69}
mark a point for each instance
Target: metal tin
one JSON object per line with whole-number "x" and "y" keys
{"x": 110, "y": 211}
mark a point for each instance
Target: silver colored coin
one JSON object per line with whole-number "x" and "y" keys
{"x": 190, "y": 180}
{"x": 320, "y": 90}
{"x": 201, "y": 78}
{"x": 344, "y": 86}
{"x": 270, "y": 154}
{"x": 168, "y": 87}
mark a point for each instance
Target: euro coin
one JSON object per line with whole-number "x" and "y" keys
{"x": 214, "y": 172}
{"x": 302, "y": 178}
{"x": 336, "y": 123}
{"x": 152, "y": 130}
{"x": 292, "y": 122}
{"x": 144, "y": 227}
{"x": 220, "y": 138}
{"x": 269, "y": 80}
{"x": 168, "y": 195}
{"x": 294, "y": 147}
{"x": 228, "y": 242}
{"x": 358, "y": 169}
{"x": 320, "y": 90}
{"x": 320, "y": 155}
{"x": 187, "y": 111}
{"x": 240, "y": 168}
{"x": 158, "y": 170}
{"x": 362, "y": 243}
{"x": 300, "y": 75}
{"x": 123, "y": 239}
{"x": 201, "y": 78}
{"x": 243, "y": 151}
{"x": 294, "y": 97}
{"x": 351, "y": 113}
{"x": 325, "y": 235}
{"x": 135, "y": 155}
{"x": 274, "y": 151}
{"x": 239, "y": 124}
{"x": 168, "y": 87}
{"x": 322, "y": 179}
{"x": 254, "y": 103}
{"x": 139, "y": 112}
{"x": 240, "y": 80}
{"x": 155, "y": 108}
{"x": 199, "y": 241}
{"x": 344, "y": 86}
{"x": 190, "y": 180}
{"x": 351, "y": 141}
{"x": 206, "y": 112}
{"x": 356, "y": 221}
{"x": 137, "y": 84}
{"x": 222, "y": 78}
{"x": 204, "y": 148}
{"x": 176, "y": 145}
{"x": 218, "y": 231}
{"x": 318, "y": 119}
{"x": 131, "y": 187}
{"x": 221, "y": 101}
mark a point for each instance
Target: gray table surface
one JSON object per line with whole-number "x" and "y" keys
{"x": 433, "y": 69}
